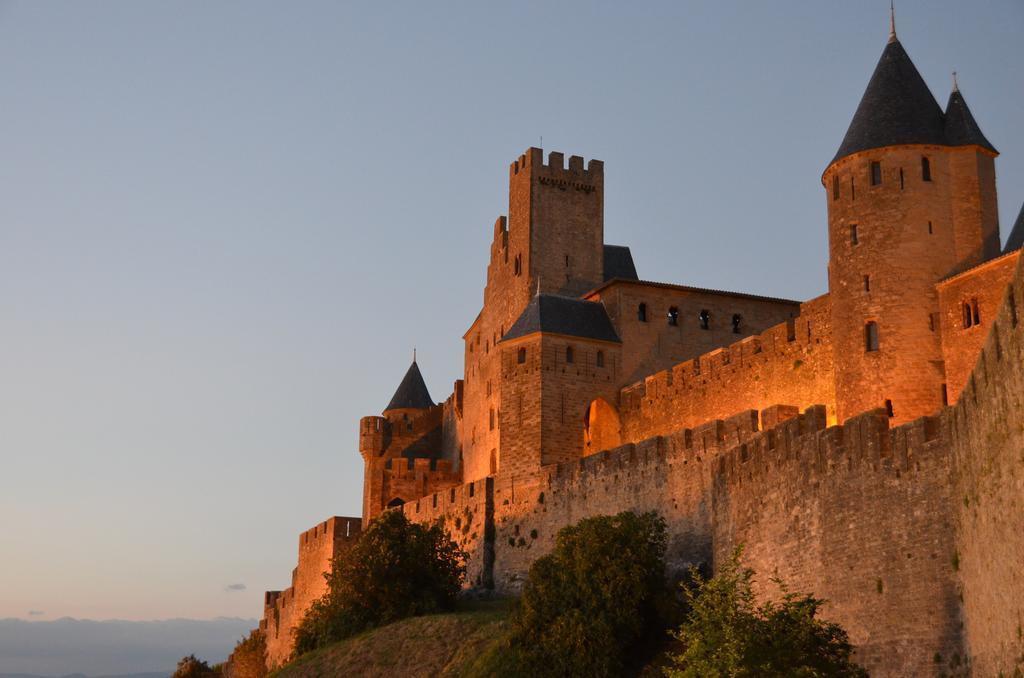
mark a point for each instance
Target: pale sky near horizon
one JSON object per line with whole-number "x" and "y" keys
{"x": 224, "y": 226}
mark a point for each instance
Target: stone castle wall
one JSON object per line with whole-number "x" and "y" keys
{"x": 789, "y": 363}
{"x": 283, "y": 610}
{"x": 987, "y": 431}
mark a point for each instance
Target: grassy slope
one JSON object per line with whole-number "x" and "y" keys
{"x": 434, "y": 645}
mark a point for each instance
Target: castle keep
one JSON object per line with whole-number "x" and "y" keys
{"x": 866, "y": 446}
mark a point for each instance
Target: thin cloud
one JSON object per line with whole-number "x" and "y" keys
{"x": 232, "y": 588}
{"x": 36, "y": 613}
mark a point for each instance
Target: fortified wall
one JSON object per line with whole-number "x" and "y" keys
{"x": 789, "y": 363}
{"x": 283, "y": 610}
{"x": 987, "y": 432}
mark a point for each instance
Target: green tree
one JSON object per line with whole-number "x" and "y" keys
{"x": 589, "y": 604}
{"x": 727, "y": 634}
{"x": 395, "y": 569}
{"x": 191, "y": 667}
{"x": 249, "y": 659}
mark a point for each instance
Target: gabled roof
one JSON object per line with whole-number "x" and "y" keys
{"x": 961, "y": 128}
{"x": 1016, "y": 239}
{"x": 897, "y": 107}
{"x": 618, "y": 263}
{"x": 412, "y": 393}
{"x": 564, "y": 315}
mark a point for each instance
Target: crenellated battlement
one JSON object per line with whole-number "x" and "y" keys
{"x": 555, "y": 168}
{"x": 788, "y": 363}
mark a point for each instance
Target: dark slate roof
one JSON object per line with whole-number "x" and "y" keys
{"x": 564, "y": 315}
{"x": 961, "y": 129}
{"x": 897, "y": 108}
{"x": 618, "y": 263}
{"x": 412, "y": 392}
{"x": 1016, "y": 239}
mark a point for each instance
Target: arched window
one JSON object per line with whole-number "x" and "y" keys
{"x": 971, "y": 315}
{"x": 641, "y": 313}
{"x": 926, "y": 169}
{"x": 600, "y": 358}
{"x": 673, "y": 315}
{"x": 705, "y": 319}
{"x": 569, "y": 357}
{"x": 737, "y": 320}
{"x": 521, "y": 356}
{"x": 871, "y": 336}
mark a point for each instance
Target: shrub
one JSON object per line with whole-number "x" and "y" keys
{"x": 249, "y": 660}
{"x": 191, "y": 667}
{"x": 592, "y": 599}
{"x": 395, "y": 569}
{"x": 726, "y": 634}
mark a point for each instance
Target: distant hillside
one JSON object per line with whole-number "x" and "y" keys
{"x": 101, "y": 649}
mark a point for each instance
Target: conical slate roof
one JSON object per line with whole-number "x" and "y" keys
{"x": 961, "y": 129}
{"x": 412, "y": 392}
{"x": 897, "y": 108}
{"x": 1016, "y": 239}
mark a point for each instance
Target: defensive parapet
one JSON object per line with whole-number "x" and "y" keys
{"x": 283, "y": 610}
{"x": 555, "y": 171}
{"x": 789, "y": 363}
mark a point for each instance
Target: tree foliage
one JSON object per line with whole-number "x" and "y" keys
{"x": 249, "y": 659}
{"x": 727, "y": 634}
{"x": 593, "y": 599}
{"x": 192, "y": 667}
{"x": 395, "y": 569}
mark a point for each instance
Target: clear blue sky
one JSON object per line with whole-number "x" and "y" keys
{"x": 224, "y": 226}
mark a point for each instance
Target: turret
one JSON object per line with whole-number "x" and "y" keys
{"x": 911, "y": 199}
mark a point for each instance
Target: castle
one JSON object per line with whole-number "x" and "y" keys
{"x": 866, "y": 446}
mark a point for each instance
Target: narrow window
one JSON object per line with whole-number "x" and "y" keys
{"x": 737, "y": 320}
{"x": 930, "y": 230}
{"x": 926, "y": 169}
{"x": 931, "y": 322}
{"x": 521, "y": 356}
{"x": 974, "y": 308}
{"x": 871, "y": 336}
{"x": 705, "y": 319}
{"x": 901, "y": 178}
{"x": 968, "y": 316}
{"x": 835, "y": 187}
{"x": 488, "y": 387}
{"x": 673, "y": 315}
{"x": 867, "y": 283}
{"x": 1013, "y": 309}
{"x": 854, "y": 239}
{"x": 600, "y": 358}
{"x": 490, "y": 418}
{"x": 518, "y": 265}
{"x": 853, "y": 189}
{"x": 567, "y": 261}
{"x": 641, "y": 313}
{"x": 494, "y": 462}
{"x": 945, "y": 396}
{"x": 876, "y": 173}
{"x": 568, "y": 354}
{"x": 888, "y": 408}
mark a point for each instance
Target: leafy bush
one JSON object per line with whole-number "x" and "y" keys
{"x": 726, "y": 634}
{"x": 249, "y": 660}
{"x": 191, "y": 667}
{"x": 395, "y": 569}
{"x": 593, "y": 599}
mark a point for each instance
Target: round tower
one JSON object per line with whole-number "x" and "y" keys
{"x": 911, "y": 200}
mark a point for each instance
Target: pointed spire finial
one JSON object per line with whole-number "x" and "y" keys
{"x": 892, "y": 21}
{"x": 414, "y": 354}
{"x": 956, "y": 86}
